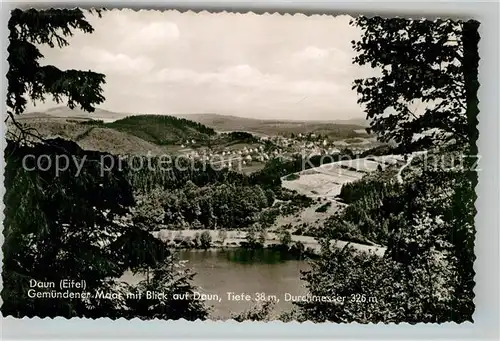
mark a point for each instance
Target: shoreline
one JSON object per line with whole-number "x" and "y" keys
{"x": 234, "y": 239}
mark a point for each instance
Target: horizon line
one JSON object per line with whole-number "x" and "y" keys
{"x": 126, "y": 114}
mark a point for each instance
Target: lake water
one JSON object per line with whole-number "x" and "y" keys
{"x": 245, "y": 271}
{"x": 239, "y": 270}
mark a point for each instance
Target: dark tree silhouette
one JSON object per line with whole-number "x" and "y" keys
{"x": 427, "y": 221}
{"x": 28, "y": 80}
{"x": 70, "y": 225}
{"x": 425, "y": 65}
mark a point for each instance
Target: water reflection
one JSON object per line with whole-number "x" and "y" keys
{"x": 245, "y": 270}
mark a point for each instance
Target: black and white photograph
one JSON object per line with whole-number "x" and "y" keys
{"x": 240, "y": 166}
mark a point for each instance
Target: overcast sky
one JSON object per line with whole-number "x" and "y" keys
{"x": 261, "y": 66}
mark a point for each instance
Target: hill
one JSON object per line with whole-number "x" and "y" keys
{"x": 138, "y": 134}
{"x": 334, "y": 129}
{"x": 160, "y": 129}
{"x": 130, "y": 134}
{"x": 98, "y": 114}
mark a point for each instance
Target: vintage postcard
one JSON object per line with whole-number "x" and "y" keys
{"x": 213, "y": 166}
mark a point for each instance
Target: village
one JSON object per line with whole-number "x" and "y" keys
{"x": 265, "y": 148}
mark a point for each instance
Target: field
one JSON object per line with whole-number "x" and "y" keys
{"x": 326, "y": 181}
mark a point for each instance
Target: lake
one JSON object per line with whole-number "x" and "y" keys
{"x": 239, "y": 270}
{"x": 249, "y": 271}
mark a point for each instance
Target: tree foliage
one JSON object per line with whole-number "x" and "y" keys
{"x": 28, "y": 80}
{"x": 162, "y": 129}
{"x": 423, "y": 66}
{"x": 74, "y": 224}
{"x": 177, "y": 301}
{"x": 205, "y": 240}
{"x": 427, "y": 221}
{"x": 260, "y": 312}
{"x": 285, "y": 237}
{"x": 427, "y": 272}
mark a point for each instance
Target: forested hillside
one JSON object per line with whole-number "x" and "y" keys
{"x": 160, "y": 129}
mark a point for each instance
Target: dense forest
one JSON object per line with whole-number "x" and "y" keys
{"x": 205, "y": 198}
{"x": 225, "y": 206}
{"x": 362, "y": 220}
{"x": 160, "y": 129}
{"x": 170, "y": 130}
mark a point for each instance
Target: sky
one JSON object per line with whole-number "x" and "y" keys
{"x": 260, "y": 66}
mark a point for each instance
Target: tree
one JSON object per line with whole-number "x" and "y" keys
{"x": 285, "y": 237}
{"x": 205, "y": 240}
{"x": 429, "y": 65}
{"x": 179, "y": 236}
{"x": 271, "y": 197}
{"x": 50, "y": 232}
{"x": 222, "y": 235}
{"x": 149, "y": 211}
{"x": 67, "y": 225}
{"x": 300, "y": 247}
{"x": 426, "y": 274}
{"x": 262, "y": 236}
{"x": 260, "y": 312}
{"x": 28, "y": 80}
{"x": 196, "y": 239}
{"x": 169, "y": 282}
{"x": 251, "y": 238}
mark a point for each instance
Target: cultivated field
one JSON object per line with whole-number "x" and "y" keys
{"x": 326, "y": 180}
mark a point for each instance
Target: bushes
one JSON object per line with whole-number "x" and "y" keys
{"x": 324, "y": 207}
{"x": 205, "y": 240}
{"x": 429, "y": 259}
{"x": 285, "y": 236}
{"x": 292, "y": 177}
{"x": 222, "y": 235}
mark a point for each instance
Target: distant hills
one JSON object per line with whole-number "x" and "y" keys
{"x": 229, "y": 122}
{"x": 216, "y": 121}
{"x": 132, "y": 134}
{"x": 333, "y": 129}
{"x": 98, "y": 114}
{"x": 125, "y": 133}
{"x": 226, "y": 122}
